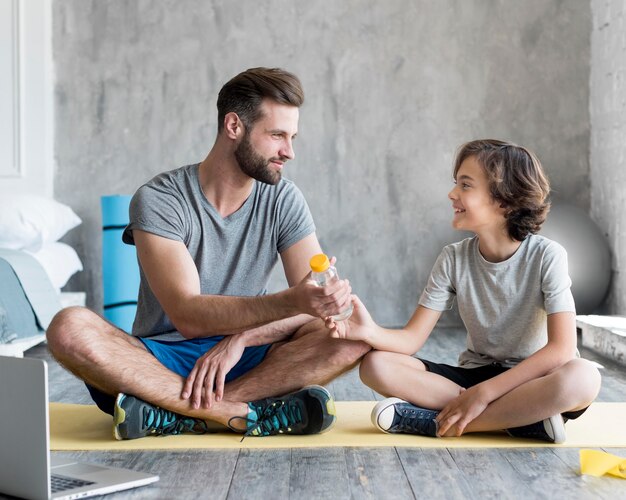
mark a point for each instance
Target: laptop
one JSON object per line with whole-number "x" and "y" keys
{"x": 26, "y": 469}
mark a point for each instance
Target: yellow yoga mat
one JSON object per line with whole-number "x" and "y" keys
{"x": 84, "y": 427}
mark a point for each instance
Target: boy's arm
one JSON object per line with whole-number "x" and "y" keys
{"x": 560, "y": 349}
{"x": 407, "y": 340}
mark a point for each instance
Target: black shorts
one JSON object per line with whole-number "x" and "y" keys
{"x": 469, "y": 377}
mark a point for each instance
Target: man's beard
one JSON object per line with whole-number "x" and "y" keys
{"x": 254, "y": 165}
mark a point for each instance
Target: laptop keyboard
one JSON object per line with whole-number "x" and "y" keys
{"x": 62, "y": 483}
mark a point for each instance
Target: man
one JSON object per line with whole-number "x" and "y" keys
{"x": 208, "y": 343}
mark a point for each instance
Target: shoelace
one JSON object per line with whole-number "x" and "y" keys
{"x": 169, "y": 423}
{"x": 276, "y": 418}
{"x": 415, "y": 421}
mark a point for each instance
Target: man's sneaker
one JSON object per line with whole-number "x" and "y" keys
{"x": 310, "y": 410}
{"x": 394, "y": 415}
{"x": 134, "y": 418}
{"x": 550, "y": 429}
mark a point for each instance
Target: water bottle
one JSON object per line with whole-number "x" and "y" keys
{"x": 323, "y": 274}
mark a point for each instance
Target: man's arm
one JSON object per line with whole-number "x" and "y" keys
{"x": 205, "y": 383}
{"x": 296, "y": 258}
{"x": 173, "y": 278}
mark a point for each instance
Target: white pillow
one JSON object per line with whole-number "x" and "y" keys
{"x": 28, "y": 221}
{"x": 60, "y": 262}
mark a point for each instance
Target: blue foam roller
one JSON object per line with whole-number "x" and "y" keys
{"x": 122, "y": 316}
{"x": 115, "y": 210}
{"x": 120, "y": 271}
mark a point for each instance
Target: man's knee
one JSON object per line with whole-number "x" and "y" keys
{"x": 349, "y": 352}
{"x": 66, "y": 326}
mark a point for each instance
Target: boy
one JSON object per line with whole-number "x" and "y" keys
{"x": 520, "y": 371}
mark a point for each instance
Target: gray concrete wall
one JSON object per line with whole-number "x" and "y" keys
{"x": 392, "y": 89}
{"x": 608, "y": 138}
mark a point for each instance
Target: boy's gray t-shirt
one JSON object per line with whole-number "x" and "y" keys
{"x": 503, "y": 305}
{"x": 234, "y": 255}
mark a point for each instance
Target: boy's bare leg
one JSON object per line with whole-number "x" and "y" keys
{"x": 405, "y": 377}
{"x": 115, "y": 362}
{"x": 571, "y": 387}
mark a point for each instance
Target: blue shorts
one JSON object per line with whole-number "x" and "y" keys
{"x": 180, "y": 356}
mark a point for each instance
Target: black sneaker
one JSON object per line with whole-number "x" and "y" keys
{"x": 308, "y": 411}
{"x": 394, "y": 415}
{"x": 550, "y": 429}
{"x": 134, "y": 418}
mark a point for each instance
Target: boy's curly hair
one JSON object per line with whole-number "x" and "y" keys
{"x": 516, "y": 180}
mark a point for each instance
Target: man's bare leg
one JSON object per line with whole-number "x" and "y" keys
{"x": 310, "y": 357}
{"x": 115, "y": 362}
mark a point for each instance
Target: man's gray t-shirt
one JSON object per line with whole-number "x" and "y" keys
{"x": 503, "y": 305}
{"x": 234, "y": 255}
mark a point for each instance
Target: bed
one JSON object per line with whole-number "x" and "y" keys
{"x": 34, "y": 266}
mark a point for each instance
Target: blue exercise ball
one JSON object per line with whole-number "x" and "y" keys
{"x": 588, "y": 253}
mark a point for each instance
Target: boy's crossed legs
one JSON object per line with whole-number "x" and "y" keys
{"x": 114, "y": 362}
{"x": 532, "y": 409}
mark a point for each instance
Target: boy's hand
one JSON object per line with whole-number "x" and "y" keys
{"x": 358, "y": 327}
{"x": 459, "y": 412}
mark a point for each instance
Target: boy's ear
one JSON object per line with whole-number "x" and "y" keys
{"x": 504, "y": 207}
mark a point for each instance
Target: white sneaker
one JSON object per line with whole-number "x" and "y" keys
{"x": 394, "y": 415}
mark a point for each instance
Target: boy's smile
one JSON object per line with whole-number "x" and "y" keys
{"x": 474, "y": 208}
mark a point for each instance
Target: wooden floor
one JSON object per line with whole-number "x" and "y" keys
{"x": 383, "y": 473}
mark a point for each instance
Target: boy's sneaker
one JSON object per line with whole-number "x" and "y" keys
{"x": 310, "y": 410}
{"x": 134, "y": 418}
{"x": 394, "y": 415}
{"x": 550, "y": 429}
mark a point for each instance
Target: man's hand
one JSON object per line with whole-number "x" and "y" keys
{"x": 322, "y": 301}
{"x": 205, "y": 382}
{"x": 358, "y": 327}
{"x": 459, "y": 412}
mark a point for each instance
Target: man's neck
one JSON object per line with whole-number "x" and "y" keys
{"x": 223, "y": 183}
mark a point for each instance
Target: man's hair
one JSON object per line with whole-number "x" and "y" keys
{"x": 516, "y": 180}
{"x": 244, "y": 94}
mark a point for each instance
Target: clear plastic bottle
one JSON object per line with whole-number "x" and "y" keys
{"x": 323, "y": 273}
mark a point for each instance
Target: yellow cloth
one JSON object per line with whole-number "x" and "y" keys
{"x": 84, "y": 427}
{"x": 599, "y": 463}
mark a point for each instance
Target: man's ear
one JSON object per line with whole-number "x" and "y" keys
{"x": 233, "y": 126}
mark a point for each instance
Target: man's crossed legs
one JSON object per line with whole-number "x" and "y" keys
{"x": 116, "y": 364}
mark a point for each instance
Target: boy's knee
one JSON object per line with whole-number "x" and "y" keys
{"x": 371, "y": 365}
{"x": 579, "y": 380}
{"x": 588, "y": 378}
